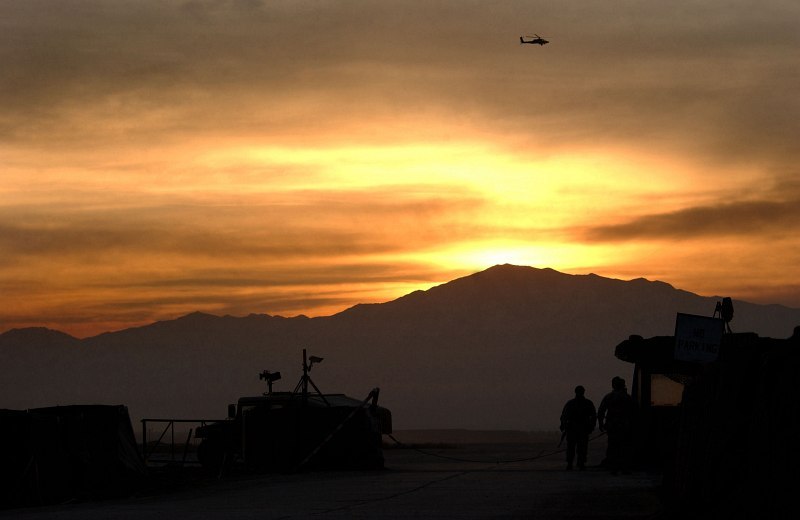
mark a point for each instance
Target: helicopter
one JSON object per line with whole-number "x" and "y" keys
{"x": 536, "y": 39}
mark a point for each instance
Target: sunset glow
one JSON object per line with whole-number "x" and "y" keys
{"x": 288, "y": 158}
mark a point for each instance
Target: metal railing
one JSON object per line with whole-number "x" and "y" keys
{"x": 147, "y": 452}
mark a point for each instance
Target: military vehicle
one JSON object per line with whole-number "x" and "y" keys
{"x": 718, "y": 414}
{"x": 302, "y": 429}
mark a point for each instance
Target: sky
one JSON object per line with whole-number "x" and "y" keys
{"x": 300, "y": 157}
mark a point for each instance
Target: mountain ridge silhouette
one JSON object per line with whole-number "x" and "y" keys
{"x": 497, "y": 349}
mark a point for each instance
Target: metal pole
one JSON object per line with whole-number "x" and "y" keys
{"x": 172, "y": 444}
{"x": 305, "y": 377}
{"x": 186, "y": 447}
{"x": 144, "y": 440}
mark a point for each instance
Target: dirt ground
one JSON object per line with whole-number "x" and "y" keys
{"x": 437, "y": 480}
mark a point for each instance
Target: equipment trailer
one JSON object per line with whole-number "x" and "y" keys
{"x": 288, "y": 431}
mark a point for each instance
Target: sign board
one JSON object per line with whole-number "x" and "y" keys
{"x": 697, "y": 338}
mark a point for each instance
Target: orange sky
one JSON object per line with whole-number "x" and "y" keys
{"x": 158, "y": 158}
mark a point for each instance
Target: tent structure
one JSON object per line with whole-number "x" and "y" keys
{"x": 66, "y": 452}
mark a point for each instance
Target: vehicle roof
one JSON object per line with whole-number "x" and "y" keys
{"x": 334, "y": 400}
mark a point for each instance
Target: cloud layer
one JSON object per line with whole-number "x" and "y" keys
{"x": 285, "y": 157}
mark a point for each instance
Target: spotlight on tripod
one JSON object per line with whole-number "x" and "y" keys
{"x": 269, "y": 377}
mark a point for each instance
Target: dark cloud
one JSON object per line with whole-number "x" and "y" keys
{"x": 688, "y": 77}
{"x": 289, "y": 276}
{"x": 307, "y": 224}
{"x": 278, "y": 290}
{"x": 757, "y": 218}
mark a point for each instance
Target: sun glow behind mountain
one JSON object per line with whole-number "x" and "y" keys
{"x": 313, "y": 230}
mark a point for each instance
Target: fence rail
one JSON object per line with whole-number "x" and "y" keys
{"x": 170, "y": 428}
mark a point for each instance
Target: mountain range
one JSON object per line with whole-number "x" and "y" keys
{"x": 499, "y": 349}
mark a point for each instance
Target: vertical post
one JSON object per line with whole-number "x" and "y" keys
{"x": 186, "y": 447}
{"x": 172, "y": 444}
{"x": 144, "y": 440}
{"x": 305, "y": 377}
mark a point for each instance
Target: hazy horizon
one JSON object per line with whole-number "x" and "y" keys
{"x": 296, "y": 157}
{"x": 245, "y": 314}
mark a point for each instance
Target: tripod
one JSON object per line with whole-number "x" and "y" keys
{"x": 305, "y": 379}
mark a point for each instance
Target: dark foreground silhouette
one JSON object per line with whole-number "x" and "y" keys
{"x": 67, "y": 452}
{"x": 728, "y": 448}
{"x": 578, "y": 419}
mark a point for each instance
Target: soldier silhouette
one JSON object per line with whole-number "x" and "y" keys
{"x": 616, "y": 417}
{"x": 577, "y": 421}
